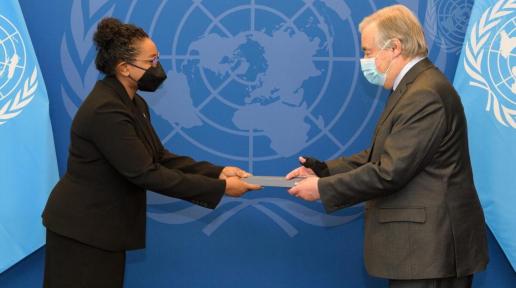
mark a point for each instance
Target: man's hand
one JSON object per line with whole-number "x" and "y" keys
{"x": 230, "y": 171}
{"x": 236, "y": 187}
{"x": 301, "y": 171}
{"x": 306, "y": 189}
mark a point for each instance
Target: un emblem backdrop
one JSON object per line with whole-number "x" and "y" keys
{"x": 255, "y": 84}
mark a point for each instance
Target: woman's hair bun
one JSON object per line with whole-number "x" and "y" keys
{"x": 107, "y": 29}
{"x": 115, "y": 42}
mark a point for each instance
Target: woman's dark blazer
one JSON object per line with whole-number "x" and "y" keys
{"x": 114, "y": 157}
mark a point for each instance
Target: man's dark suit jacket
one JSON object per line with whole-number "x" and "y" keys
{"x": 114, "y": 157}
{"x": 423, "y": 218}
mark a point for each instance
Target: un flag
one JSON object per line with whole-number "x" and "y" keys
{"x": 486, "y": 81}
{"x": 27, "y": 154}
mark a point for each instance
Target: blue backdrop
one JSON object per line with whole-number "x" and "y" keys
{"x": 251, "y": 83}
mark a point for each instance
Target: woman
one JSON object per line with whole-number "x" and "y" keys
{"x": 97, "y": 210}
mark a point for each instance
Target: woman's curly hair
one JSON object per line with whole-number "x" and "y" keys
{"x": 115, "y": 43}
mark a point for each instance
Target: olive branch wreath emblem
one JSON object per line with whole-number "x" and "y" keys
{"x": 25, "y": 94}
{"x": 13, "y": 107}
{"x": 475, "y": 51}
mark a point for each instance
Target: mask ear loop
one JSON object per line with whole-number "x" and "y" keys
{"x": 134, "y": 65}
{"x": 128, "y": 73}
{"x": 392, "y": 58}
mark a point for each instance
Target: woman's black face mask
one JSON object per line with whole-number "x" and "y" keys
{"x": 152, "y": 78}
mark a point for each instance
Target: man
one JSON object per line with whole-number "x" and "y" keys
{"x": 424, "y": 226}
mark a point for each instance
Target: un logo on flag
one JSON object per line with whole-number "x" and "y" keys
{"x": 490, "y": 60}
{"x": 13, "y": 61}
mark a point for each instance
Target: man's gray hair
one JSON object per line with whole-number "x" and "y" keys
{"x": 398, "y": 22}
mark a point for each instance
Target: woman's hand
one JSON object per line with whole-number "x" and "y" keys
{"x": 236, "y": 187}
{"x": 231, "y": 171}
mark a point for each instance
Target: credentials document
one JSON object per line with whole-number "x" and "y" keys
{"x": 272, "y": 181}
